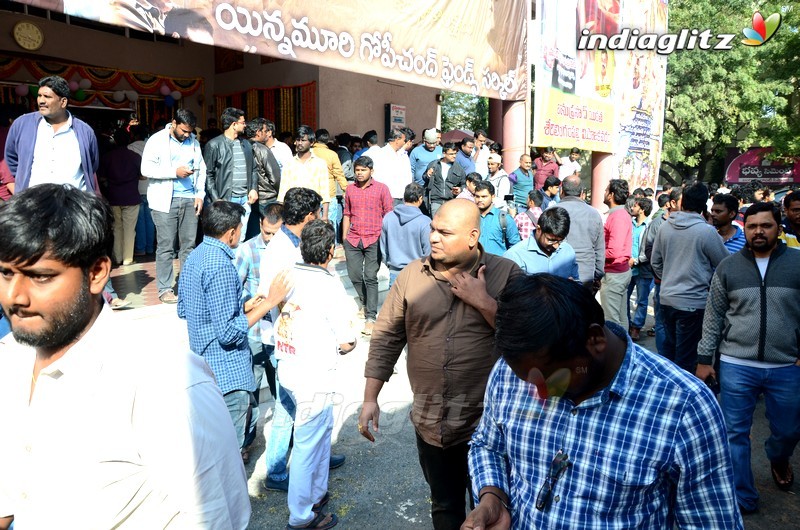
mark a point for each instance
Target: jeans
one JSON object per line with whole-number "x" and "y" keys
{"x": 280, "y": 433}
{"x": 393, "y": 274}
{"x": 362, "y": 268}
{"x": 238, "y": 403}
{"x": 659, "y": 327}
{"x": 740, "y": 388}
{"x": 145, "y": 229}
{"x": 643, "y": 286}
{"x": 181, "y": 221}
{"x": 683, "y": 329}
{"x": 335, "y": 216}
{"x": 447, "y": 473}
{"x": 242, "y": 200}
{"x": 613, "y": 289}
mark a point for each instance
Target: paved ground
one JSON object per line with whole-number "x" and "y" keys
{"x": 380, "y": 486}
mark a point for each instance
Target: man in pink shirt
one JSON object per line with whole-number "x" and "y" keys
{"x": 618, "y": 231}
{"x": 545, "y": 166}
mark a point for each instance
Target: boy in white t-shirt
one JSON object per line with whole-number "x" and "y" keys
{"x": 308, "y": 339}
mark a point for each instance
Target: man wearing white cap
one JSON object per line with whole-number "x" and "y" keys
{"x": 499, "y": 179}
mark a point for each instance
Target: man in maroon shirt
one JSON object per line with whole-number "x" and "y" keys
{"x": 619, "y": 241}
{"x": 545, "y": 166}
{"x": 366, "y": 201}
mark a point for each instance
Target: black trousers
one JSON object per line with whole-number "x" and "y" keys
{"x": 447, "y": 474}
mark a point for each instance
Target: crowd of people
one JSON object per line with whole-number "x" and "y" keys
{"x": 533, "y": 402}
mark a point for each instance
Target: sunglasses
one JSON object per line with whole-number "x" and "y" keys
{"x": 557, "y": 467}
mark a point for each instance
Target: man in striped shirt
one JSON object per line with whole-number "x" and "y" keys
{"x": 723, "y": 211}
{"x": 583, "y": 428}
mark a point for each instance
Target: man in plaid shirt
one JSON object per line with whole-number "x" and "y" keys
{"x": 366, "y": 201}
{"x": 584, "y": 429}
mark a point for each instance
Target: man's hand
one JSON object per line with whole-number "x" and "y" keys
{"x": 370, "y": 412}
{"x": 11, "y": 187}
{"x": 704, "y": 371}
{"x": 252, "y": 197}
{"x": 488, "y": 515}
{"x": 198, "y": 207}
{"x": 470, "y": 289}
{"x": 279, "y": 288}
{"x": 456, "y": 190}
{"x": 252, "y": 303}
{"x": 183, "y": 172}
{"x": 631, "y": 262}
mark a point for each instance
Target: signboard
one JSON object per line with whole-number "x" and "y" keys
{"x": 472, "y": 46}
{"x": 611, "y": 101}
{"x": 772, "y": 175}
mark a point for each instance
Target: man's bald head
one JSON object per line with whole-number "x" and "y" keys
{"x": 572, "y": 186}
{"x": 455, "y": 231}
{"x": 461, "y": 211}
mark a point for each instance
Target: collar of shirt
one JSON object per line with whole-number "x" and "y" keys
{"x": 293, "y": 238}
{"x": 214, "y": 242}
{"x": 428, "y": 264}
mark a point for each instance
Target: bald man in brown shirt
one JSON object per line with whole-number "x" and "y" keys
{"x": 443, "y": 307}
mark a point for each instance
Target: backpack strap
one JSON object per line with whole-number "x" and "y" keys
{"x": 503, "y": 227}
{"x": 529, "y": 213}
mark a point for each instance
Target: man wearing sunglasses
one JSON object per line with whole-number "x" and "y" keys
{"x": 583, "y": 428}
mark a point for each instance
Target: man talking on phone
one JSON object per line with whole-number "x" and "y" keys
{"x": 173, "y": 163}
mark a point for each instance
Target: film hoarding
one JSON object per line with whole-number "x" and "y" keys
{"x": 472, "y": 46}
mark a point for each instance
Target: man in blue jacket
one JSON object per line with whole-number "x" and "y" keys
{"x": 405, "y": 234}
{"x": 52, "y": 133}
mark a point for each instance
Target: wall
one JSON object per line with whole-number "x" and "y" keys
{"x": 354, "y": 103}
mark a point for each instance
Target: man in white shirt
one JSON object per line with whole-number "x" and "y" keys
{"x": 570, "y": 167}
{"x": 100, "y": 438}
{"x": 499, "y": 179}
{"x": 283, "y": 153}
{"x": 391, "y": 165}
{"x": 480, "y": 155}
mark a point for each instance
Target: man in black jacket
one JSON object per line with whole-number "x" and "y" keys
{"x": 444, "y": 178}
{"x": 229, "y": 165}
{"x": 267, "y": 169}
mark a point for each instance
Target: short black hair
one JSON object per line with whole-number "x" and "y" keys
{"x": 323, "y": 136}
{"x": 554, "y": 221}
{"x": 394, "y": 134}
{"x": 410, "y": 134}
{"x": 675, "y": 193}
{"x": 537, "y": 197}
{"x": 575, "y": 150}
{"x": 789, "y": 198}
{"x": 370, "y": 137}
{"x": 552, "y": 180}
{"x": 466, "y": 140}
{"x": 619, "y": 190}
{"x": 645, "y": 204}
{"x": 695, "y": 198}
{"x": 648, "y": 192}
{"x": 364, "y": 161}
{"x": 727, "y": 200}
{"x": 478, "y": 133}
{"x": 186, "y": 117}
{"x": 230, "y": 115}
{"x": 539, "y": 311}
{"x": 57, "y": 84}
{"x": 254, "y": 126}
{"x": 75, "y": 227}
{"x": 484, "y": 185}
{"x": 272, "y": 212}
{"x": 663, "y": 199}
{"x": 474, "y": 177}
{"x": 316, "y": 241}
{"x": 413, "y": 192}
{"x": 759, "y": 207}
{"x": 221, "y": 216}
{"x": 298, "y": 203}
{"x": 305, "y": 130}
{"x": 449, "y": 146}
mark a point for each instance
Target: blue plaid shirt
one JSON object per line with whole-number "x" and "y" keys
{"x": 210, "y": 300}
{"x": 648, "y": 452}
{"x": 248, "y": 265}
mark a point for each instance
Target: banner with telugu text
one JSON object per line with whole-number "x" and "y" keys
{"x": 472, "y": 46}
{"x": 611, "y": 101}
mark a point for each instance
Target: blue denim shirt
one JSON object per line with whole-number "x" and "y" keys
{"x": 532, "y": 259}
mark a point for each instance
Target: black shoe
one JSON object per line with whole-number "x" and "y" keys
{"x": 277, "y": 485}
{"x": 337, "y": 461}
{"x": 748, "y": 511}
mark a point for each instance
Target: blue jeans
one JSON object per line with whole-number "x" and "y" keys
{"x": 246, "y": 217}
{"x": 740, "y": 388}
{"x": 392, "y": 277}
{"x": 335, "y": 216}
{"x": 643, "y": 286}
{"x": 145, "y": 229}
{"x": 280, "y": 432}
{"x": 683, "y": 328}
{"x": 659, "y": 327}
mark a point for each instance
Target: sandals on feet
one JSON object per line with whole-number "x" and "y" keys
{"x": 322, "y": 503}
{"x": 782, "y": 475}
{"x": 322, "y": 521}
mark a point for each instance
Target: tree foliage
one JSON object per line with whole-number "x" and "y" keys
{"x": 739, "y": 98}
{"x": 464, "y": 111}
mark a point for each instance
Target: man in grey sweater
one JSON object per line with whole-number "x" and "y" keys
{"x": 585, "y": 232}
{"x": 685, "y": 253}
{"x": 752, "y": 321}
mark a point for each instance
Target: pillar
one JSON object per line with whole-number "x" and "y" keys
{"x": 496, "y": 120}
{"x": 515, "y": 137}
{"x": 602, "y": 170}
